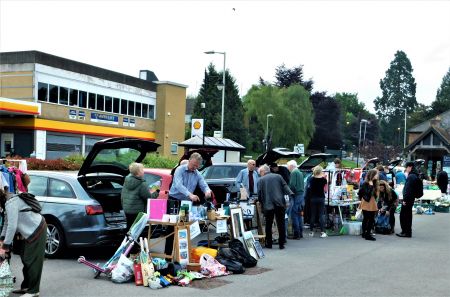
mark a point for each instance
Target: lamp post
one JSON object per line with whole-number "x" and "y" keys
{"x": 267, "y": 130}
{"x": 404, "y": 132}
{"x": 223, "y": 87}
{"x": 359, "y": 139}
{"x": 203, "y": 107}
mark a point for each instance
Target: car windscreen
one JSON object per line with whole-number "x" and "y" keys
{"x": 217, "y": 172}
{"x": 121, "y": 157}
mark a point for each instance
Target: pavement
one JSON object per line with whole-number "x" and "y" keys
{"x": 333, "y": 266}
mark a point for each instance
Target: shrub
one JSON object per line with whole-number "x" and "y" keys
{"x": 76, "y": 159}
{"x": 58, "y": 164}
{"x": 157, "y": 161}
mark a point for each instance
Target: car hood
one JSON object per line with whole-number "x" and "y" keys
{"x": 316, "y": 159}
{"x": 394, "y": 163}
{"x": 114, "y": 155}
{"x": 373, "y": 162}
{"x": 273, "y": 155}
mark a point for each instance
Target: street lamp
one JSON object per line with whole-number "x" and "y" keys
{"x": 404, "y": 132}
{"x": 223, "y": 87}
{"x": 359, "y": 139}
{"x": 203, "y": 107}
{"x": 267, "y": 130}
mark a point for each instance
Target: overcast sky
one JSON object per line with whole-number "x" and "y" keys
{"x": 344, "y": 46}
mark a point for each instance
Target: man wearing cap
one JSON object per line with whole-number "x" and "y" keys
{"x": 413, "y": 189}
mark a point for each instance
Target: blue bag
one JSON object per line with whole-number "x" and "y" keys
{"x": 382, "y": 225}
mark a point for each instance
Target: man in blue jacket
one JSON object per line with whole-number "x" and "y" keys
{"x": 248, "y": 178}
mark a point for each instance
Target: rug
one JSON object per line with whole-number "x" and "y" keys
{"x": 209, "y": 283}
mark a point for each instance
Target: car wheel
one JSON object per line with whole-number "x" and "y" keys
{"x": 55, "y": 240}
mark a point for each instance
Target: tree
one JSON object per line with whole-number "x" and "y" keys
{"x": 442, "y": 102}
{"x": 327, "y": 117}
{"x": 292, "y": 120}
{"x": 398, "y": 91}
{"x": 351, "y": 111}
{"x": 421, "y": 113}
{"x": 286, "y": 77}
{"x": 212, "y": 97}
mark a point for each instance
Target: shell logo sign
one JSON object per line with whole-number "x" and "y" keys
{"x": 197, "y": 127}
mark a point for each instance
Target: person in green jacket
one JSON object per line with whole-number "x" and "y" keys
{"x": 135, "y": 192}
{"x": 297, "y": 201}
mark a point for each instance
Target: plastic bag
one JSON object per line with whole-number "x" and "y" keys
{"x": 123, "y": 271}
{"x": 246, "y": 259}
{"x": 359, "y": 214}
{"x": 211, "y": 267}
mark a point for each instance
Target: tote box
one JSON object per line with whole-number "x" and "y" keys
{"x": 156, "y": 208}
{"x": 353, "y": 227}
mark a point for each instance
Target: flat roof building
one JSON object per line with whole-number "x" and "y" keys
{"x": 52, "y": 107}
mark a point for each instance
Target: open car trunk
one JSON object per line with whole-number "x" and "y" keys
{"x": 107, "y": 191}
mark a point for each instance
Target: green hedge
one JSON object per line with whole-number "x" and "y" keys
{"x": 158, "y": 161}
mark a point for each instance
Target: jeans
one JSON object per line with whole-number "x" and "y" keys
{"x": 368, "y": 222}
{"x": 317, "y": 209}
{"x": 297, "y": 204}
{"x": 406, "y": 218}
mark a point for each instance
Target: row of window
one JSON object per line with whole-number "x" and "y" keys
{"x": 71, "y": 97}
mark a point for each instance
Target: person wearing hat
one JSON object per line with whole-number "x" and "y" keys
{"x": 413, "y": 189}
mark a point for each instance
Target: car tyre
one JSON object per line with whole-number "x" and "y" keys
{"x": 55, "y": 244}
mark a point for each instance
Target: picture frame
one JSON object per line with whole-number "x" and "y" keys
{"x": 249, "y": 242}
{"x": 237, "y": 223}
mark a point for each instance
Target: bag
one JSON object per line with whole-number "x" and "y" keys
{"x": 31, "y": 201}
{"x": 243, "y": 193}
{"x": 211, "y": 267}
{"x": 123, "y": 271}
{"x": 245, "y": 258}
{"x": 231, "y": 259}
{"x": 359, "y": 214}
{"x": 382, "y": 225}
{"x": 233, "y": 266}
{"x": 418, "y": 193}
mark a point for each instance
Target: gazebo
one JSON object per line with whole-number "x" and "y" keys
{"x": 229, "y": 150}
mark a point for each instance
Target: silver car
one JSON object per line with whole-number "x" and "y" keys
{"x": 84, "y": 209}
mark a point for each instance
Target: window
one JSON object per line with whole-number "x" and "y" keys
{"x": 73, "y": 98}
{"x": 108, "y": 104}
{"x": 82, "y": 99}
{"x": 59, "y": 188}
{"x": 38, "y": 185}
{"x": 42, "y": 92}
{"x": 436, "y": 140}
{"x": 63, "y": 96}
{"x": 151, "y": 112}
{"x": 123, "y": 106}
{"x": 91, "y": 103}
{"x": 151, "y": 178}
{"x": 427, "y": 140}
{"x": 116, "y": 105}
{"x": 100, "y": 102}
{"x": 145, "y": 110}
{"x": 53, "y": 96}
{"x": 131, "y": 108}
{"x": 138, "y": 109}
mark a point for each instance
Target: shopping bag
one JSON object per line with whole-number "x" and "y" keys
{"x": 244, "y": 194}
{"x": 359, "y": 214}
{"x": 211, "y": 267}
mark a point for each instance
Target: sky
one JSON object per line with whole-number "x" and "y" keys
{"x": 344, "y": 46}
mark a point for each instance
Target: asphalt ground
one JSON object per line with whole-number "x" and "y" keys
{"x": 333, "y": 266}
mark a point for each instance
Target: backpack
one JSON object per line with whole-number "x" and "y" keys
{"x": 418, "y": 188}
{"x": 245, "y": 258}
{"x": 31, "y": 201}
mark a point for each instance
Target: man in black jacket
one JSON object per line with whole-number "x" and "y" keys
{"x": 271, "y": 190}
{"x": 413, "y": 189}
{"x": 442, "y": 181}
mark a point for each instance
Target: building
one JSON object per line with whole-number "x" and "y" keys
{"x": 52, "y": 107}
{"x": 430, "y": 141}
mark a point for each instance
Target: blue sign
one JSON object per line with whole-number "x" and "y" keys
{"x": 81, "y": 113}
{"x": 104, "y": 118}
{"x": 72, "y": 114}
{"x": 125, "y": 122}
